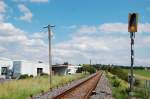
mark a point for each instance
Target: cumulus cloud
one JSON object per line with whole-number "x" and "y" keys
{"x": 2, "y": 49}
{"x": 27, "y": 15}
{"x": 113, "y": 28}
{"x": 87, "y": 29}
{"x": 106, "y": 48}
{"x": 110, "y": 28}
{"x": 3, "y": 7}
{"x": 16, "y": 44}
{"x": 39, "y": 35}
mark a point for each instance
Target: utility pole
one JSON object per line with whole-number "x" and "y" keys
{"x": 50, "y": 56}
{"x": 90, "y": 62}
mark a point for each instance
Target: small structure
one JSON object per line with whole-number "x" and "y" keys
{"x": 61, "y": 69}
{"x": 145, "y": 69}
{"x": 29, "y": 68}
{"x": 5, "y": 68}
{"x": 72, "y": 69}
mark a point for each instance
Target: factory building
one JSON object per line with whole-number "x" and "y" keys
{"x": 9, "y": 68}
{"x": 30, "y": 68}
{"x": 6, "y": 66}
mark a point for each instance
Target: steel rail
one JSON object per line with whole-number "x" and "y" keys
{"x": 95, "y": 77}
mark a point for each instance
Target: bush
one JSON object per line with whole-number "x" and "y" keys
{"x": 24, "y": 76}
{"x": 31, "y": 76}
{"x": 116, "y": 83}
{"x": 89, "y": 69}
{"x": 43, "y": 74}
{"x": 137, "y": 82}
{"x": 120, "y": 73}
{"x": 80, "y": 70}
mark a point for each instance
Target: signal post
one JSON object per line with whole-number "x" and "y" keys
{"x": 132, "y": 28}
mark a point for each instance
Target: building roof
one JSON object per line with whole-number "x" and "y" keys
{"x": 59, "y": 65}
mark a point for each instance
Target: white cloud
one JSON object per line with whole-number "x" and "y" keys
{"x": 39, "y": 1}
{"x": 123, "y": 28}
{"x": 87, "y": 29}
{"x": 2, "y": 49}
{"x": 39, "y": 35}
{"x": 3, "y": 7}
{"x": 16, "y": 44}
{"x": 115, "y": 28}
{"x": 144, "y": 28}
{"x": 105, "y": 47}
{"x": 27, "y": 13}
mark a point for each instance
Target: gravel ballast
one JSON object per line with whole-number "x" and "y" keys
{"x": 103, "y": 89}
{"x": 57, "y": 91}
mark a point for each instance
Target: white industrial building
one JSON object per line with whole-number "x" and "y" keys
{"x": 9, "y": 68}
{"x": 30, "y": 68}
{"x": 5, "y": 66}
{"x": 72, "y": 69}
{"x": 61, "y": 69}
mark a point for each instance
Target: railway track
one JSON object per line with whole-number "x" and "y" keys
{"x": 81, "y": 91}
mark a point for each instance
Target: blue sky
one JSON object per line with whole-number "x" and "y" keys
{"x": 85, "y": 29}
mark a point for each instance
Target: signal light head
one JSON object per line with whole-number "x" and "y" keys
{"x": 132, "y": 24}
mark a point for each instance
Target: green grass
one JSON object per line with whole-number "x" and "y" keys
{"x": 119, "y": 92}
{"x": 141, "y": 75}
{"x": 21, "y": 89}
{"x": 143, "y": 72}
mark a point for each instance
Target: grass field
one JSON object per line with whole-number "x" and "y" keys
{"x": 141, "y": 74}
{"x": 21, "y": 89}
{"x": 120, "y": 87}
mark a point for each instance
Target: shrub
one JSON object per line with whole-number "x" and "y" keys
{"x": 31, "y": 76}
{"x": 120, "y": 73}
{"x": 80, "y": 70}
{"x": 116, "y": 83}
{"x": 137, "y": 82}
{"x": 24, "y": 76}
{"x": 43, "y": 74}
{"x": 89, "y": 69}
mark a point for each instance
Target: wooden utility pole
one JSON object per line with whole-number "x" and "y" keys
{"x": 50, "y": 56}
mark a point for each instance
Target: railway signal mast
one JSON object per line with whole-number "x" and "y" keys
{"x": 50, "y": 56}
{"x": 132, "y": 28}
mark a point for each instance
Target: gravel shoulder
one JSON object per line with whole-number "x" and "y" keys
{"x": 103, "y": 89}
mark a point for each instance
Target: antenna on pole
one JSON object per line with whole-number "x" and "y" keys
{"x": 50, "y": 56}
